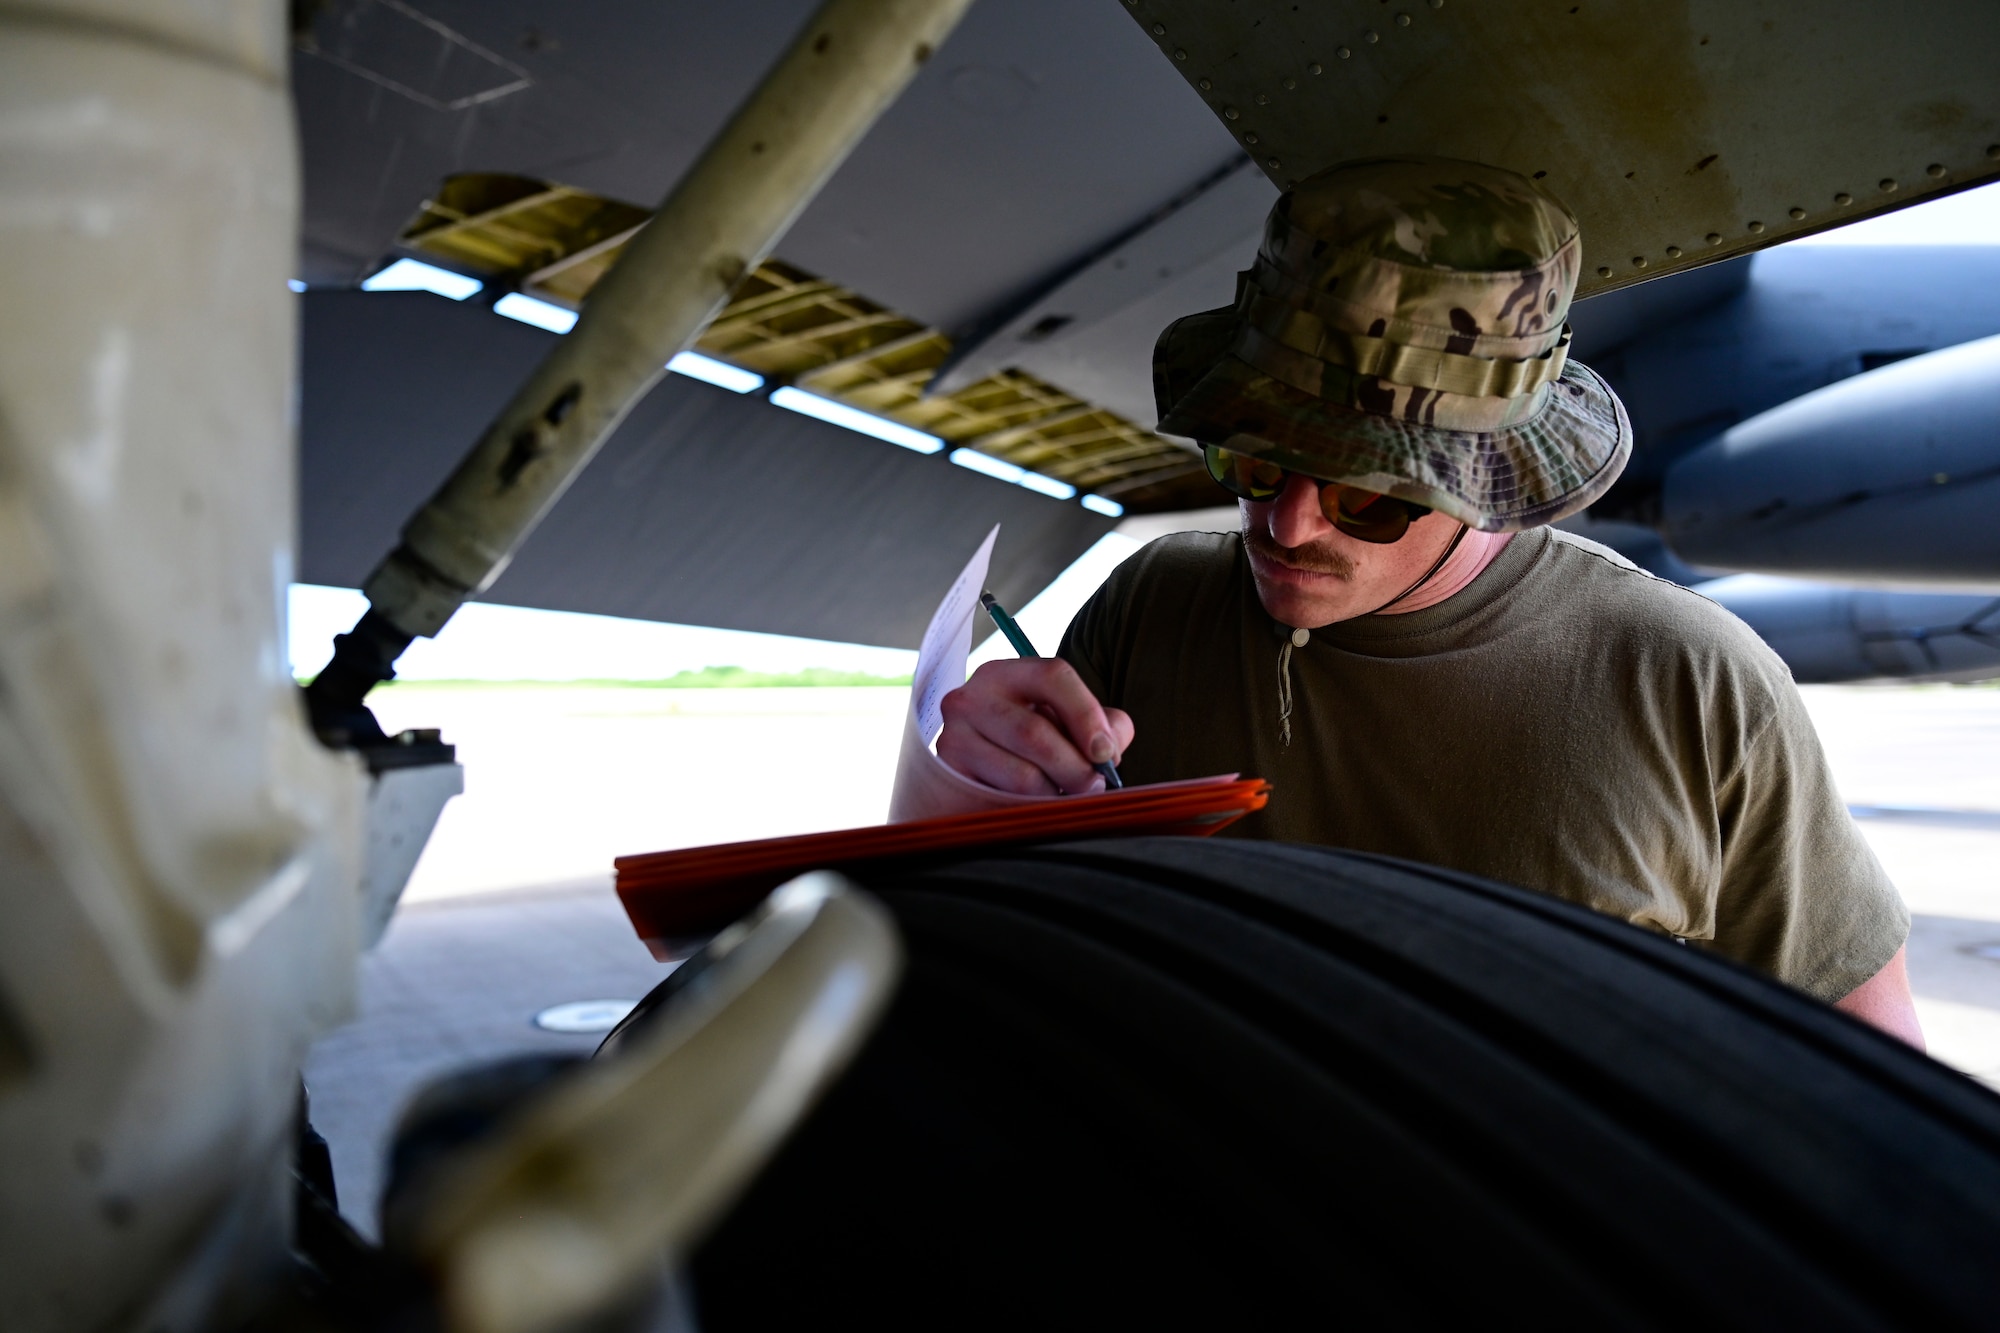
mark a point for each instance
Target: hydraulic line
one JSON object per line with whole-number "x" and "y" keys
{"x": 844, "y": 69}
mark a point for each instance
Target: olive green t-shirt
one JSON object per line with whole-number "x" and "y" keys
{"x": 1567, "y": 722}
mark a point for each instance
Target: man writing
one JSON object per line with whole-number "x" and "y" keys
{"x": 1399, "y": 642}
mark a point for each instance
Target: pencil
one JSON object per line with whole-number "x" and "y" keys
{"x": 1025, "y": 649}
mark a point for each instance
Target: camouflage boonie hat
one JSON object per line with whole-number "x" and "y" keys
{"x": 1403, "y": 330}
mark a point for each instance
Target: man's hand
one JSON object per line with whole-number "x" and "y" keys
{"x": 1031, "y": 726}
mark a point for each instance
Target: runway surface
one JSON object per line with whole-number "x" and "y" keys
{"x": 1920, "y": 768}
{"x": 511, "y": 910}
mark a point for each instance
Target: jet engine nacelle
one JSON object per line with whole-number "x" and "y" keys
{"x": 1889, "y": 478}
{"x": 1831, "y": 635}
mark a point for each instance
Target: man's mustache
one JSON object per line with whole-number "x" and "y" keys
{"x": 1313, "y": 558}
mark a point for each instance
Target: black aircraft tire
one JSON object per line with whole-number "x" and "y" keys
{"x": 1253, "y": 1085}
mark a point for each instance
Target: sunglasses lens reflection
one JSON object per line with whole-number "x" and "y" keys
{"x": 1239, "y": 474}
{"x": 1363, "y": 515}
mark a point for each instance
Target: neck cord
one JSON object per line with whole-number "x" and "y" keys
{"x": 1297, "y": 637}
{"x": 1285, "y": 687}
{"x": 1429, "y": 574}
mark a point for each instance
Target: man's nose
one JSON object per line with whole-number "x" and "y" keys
{"x": 1296, "y": 517}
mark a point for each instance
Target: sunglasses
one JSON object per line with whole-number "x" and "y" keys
{"x": 1365, "y": 516}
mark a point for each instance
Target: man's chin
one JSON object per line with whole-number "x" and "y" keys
{"x": 1298, "y": 597}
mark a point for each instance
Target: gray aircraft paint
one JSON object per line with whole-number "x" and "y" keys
{"x": 1806, "y": 317}
{"x": 1038, "y": 131}
{"x": 1828, "y": 635}
{"x": 1038, "y": 149}
{"x": 705, "y": 507}
{"x": 1887, "y": 478}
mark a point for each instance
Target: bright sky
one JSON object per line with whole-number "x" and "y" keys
{"x": 1970, "y": 217}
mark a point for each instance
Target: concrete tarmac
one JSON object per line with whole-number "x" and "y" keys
{"x": 1920, "y": 768}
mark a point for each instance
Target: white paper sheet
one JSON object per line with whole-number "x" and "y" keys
{"x": 926, "y": 785}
